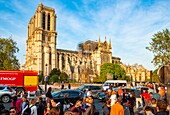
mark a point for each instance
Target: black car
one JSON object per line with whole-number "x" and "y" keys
{"x": 73, "y": 96}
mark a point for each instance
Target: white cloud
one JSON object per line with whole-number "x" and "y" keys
{"x": 130, "y": 25}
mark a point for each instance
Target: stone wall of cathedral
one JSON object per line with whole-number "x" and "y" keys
{"x": 41, "y": 42}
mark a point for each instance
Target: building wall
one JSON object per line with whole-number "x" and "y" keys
{"x": 137, "y": 72}
{"x": 42, "y": 55}
{"x": 41, "y": 42}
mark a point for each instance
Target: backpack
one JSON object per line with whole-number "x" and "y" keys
{"x": 27, "y": 111}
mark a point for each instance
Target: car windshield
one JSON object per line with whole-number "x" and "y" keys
{"x": 81, "y": 87}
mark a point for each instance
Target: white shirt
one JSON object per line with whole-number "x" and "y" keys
{"x": 89, "y": 93}
{"x": 33, "y": 109}
{"x": 113, "y": 99}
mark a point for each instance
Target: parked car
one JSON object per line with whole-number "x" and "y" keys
{"x": 101, "y": 96}
{"x": 73, "y": 96}
{"x": 6, "y": 93}
{"x": 95, "y": 89}
{"x": 114, "y": 83}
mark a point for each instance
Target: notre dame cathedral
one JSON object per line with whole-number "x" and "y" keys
{"x": 41, "y": 53}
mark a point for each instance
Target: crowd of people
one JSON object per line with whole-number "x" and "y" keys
{"x": 144, "y": 99}
{"x": 23, "y": 106}
{"x": 117, "y": 102}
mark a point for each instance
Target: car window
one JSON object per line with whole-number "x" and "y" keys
{"x": 1, "y": 88}
{"x": 57, "y": 94}
{"x": 63, "y": 93}
{"x": 73, "y": 94}
{"x": 86, "y": 87}
{"x": 97, "y": 87}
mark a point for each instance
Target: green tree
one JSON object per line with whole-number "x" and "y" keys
{"x": 159, "y": 46}
{"x": 63, "y": 76}
{"x": 155, "y": 77}
{"x": 55, "y": 71}
{"x": 8, "y": 49}
{"x": 41, "y": 78}
{"x": 54, "y": 78}
{"x": 109, "y": 68}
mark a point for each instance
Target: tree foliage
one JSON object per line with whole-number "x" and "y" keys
{"x": 55, "y": 71}
{"x": 114, "y": 69}
{"x": 159, "y": 46}
{"x": 8, "y": 49}
{"x": 57, "y": 76}
{"x": 63, "y": 76}
{"x": 54, "y": 78}
{"x": 155, "y": 77}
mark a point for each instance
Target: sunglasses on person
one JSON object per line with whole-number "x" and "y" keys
{"x": 12, "y": 111}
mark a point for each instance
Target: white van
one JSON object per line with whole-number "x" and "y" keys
{"x": 114, "y": 83}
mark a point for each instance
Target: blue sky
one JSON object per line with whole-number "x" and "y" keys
{"x": 130, "y": 24}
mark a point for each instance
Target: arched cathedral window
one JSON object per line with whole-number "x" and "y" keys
{"x": 43, "y": 20}
{"x": 48, "y": 27}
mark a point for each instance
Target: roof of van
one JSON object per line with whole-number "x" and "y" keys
{"x": 116, "y": 81}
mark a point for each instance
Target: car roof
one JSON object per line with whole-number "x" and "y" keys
{"x": 91, "y": 85}
{"x": 116, "y": 81}
{"x": 68, "y": 90}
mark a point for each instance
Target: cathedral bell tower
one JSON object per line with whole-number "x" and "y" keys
{"x": 41, "y": 42}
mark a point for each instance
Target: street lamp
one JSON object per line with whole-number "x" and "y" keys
{"x": 45, "y": 78}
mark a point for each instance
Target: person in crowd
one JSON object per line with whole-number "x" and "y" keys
{"x": 149, "y": 110}
{"x": 113, "y": 98}
{"x": 17, "y": 103}
{"x": 66, "y": 105}
{"x": 161, "y": 107}
{"x": 156, "y": 95}
{"x": 106, "y": 108}
{"x": 117, "y": 108}
{"x": 69, "y": 86}
{"x": 89, "y": 92}
{"x": 53, "y": 103}
{"x": 48, "y": 95}
{"x": 120, "y": 92}
{"x": 1, "y": 107}
{"x": 33, "y": 107}
{"x": 69, "y": 113}
{"x": 162, "y": 92}
{"x": 85, "y": 103}
{"x": 154, "y": 105}
{"x": 84, "y": 94}
{"x": 146, "y": 97}
{"x": 90, "y": 110}
{"x": 27, "y": 111}
{"x": 4, "y": 112}
{"x": 138, "y": 97}
{"x": 62, "y": 86}
{"x": 47, "y": 108}
{"x": 131, "y": 104}
{"x": 12, "y": 110}
{"x": 54, "y": 111}
{"x": 40, "y": 106}
{"x": 24, "y": 104}
{"x": 108, "y": 95}
{"x": 77, "y": 108}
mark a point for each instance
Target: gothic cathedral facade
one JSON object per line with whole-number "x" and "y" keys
{"x": 41, "y": 53}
